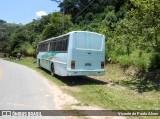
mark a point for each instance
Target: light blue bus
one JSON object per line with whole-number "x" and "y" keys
{"x": 77, "y": 53}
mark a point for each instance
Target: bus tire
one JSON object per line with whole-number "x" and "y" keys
{"x": 39, "y": 65}
{"x": 52, "y": 70}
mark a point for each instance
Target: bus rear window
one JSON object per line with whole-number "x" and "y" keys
{"x": 88, "y": 41}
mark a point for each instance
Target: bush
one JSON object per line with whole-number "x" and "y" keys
{"x": 113, "y": 56}
{"x": 155, "y": 61}
{"x": 140, "y": 59}
{"x": 137, "y": 59}
{"x": 28, "y": 49}
{"x": 125, "y": 61}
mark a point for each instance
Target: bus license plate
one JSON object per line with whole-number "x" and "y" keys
{"x": 88, "y": 64}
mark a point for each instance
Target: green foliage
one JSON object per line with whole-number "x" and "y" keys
{"x": 155, "y": 61}
{"x": 131, "y": 28}
{"x": 49, "y": 31}
{"x": 89, "y": 16}
{"x": 27, "y": 49}
{"x": 54, "y": 27}
{"x": 144, "y": 20}
{"x": 25, "y": 38}
{"x": 30, "y": 50}
{"x": 134, "y": 39}
{"x": 75, "y": 7}
{"x": 140, "y": 61}
{"x": 5, "y": 31}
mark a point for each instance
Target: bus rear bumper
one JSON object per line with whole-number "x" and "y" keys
{"x": 85, "y": 72}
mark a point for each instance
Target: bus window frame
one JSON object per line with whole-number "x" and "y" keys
{"x": 59, "y": 44}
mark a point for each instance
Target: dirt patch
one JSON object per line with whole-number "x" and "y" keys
{"x": 62, "y": 100}
{"x": 108, "y": 82}
{"x": 131, "y": 71}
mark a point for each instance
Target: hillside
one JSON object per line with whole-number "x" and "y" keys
{"x": 131, "y": 28}
{"x": 5, "y": 31}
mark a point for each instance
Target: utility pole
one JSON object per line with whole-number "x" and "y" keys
{"x": 63, "y": 14}
{"x": 63, "y": 18}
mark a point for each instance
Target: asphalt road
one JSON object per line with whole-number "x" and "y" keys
{"x": 23, "y": 89}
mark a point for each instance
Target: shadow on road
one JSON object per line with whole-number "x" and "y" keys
{"x": 78, "y": 80}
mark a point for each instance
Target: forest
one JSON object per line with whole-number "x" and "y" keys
{"x": 131, "y": 27}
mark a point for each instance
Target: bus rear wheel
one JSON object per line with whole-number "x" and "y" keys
{"x": 52, "y": 70}
{"x": 38, "y": 64}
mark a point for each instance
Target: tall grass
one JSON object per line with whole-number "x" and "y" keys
{"x": 136, "y": 58}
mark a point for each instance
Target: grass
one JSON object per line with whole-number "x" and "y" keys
{"x": 100, "y": 91}
{"x": 138, "y": 59}
{"x": 128, "y": 78}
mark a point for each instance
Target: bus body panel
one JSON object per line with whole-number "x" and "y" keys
{"x": 86, "y": 55}
{"x": 60, "y": 64}
{"x": 85, "y": 72}
{"x": 87, "y": 49}
{"x": 58, "y": 59}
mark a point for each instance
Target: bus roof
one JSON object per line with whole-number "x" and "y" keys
{"x": 67, "y": 34}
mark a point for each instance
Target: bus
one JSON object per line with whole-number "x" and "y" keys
{"x": 77, "y": 53}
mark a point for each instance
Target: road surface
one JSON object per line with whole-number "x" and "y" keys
{"x": 23, "y": 89}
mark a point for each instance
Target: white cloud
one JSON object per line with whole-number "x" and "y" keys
{"x": 41, "y": 13}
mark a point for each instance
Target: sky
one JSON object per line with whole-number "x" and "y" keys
{"x": 24, "y": 11}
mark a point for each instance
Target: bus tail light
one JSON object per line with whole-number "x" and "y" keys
{"x": 102, "y": 65}
{"x": 72, "y": 64}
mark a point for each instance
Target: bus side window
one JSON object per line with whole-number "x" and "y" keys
{"x": 42, "y": 47}
{"x": 63, "y": 45}
{"x": 39, "y": 48}
{"x": 55, "y": 46}
{"x": 66, "y": 44}
{"x": 45, "y": 47}
{"x": 59, "y": 46}
{"x": 48, "y": 48}
{"x": 51, "y": 45}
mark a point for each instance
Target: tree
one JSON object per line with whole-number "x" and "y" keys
{"x": 145, "y": 19}
{"x": 54, "y": 28}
